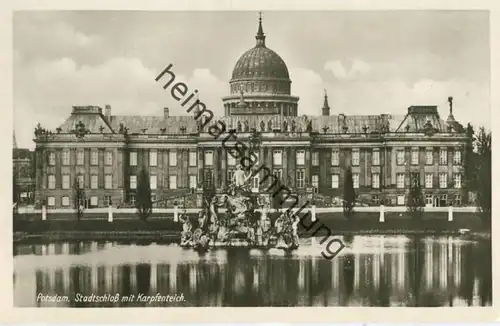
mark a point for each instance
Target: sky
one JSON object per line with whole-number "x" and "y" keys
{"x": 370, "y": 62}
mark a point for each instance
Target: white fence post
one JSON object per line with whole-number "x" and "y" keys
{"x": 110, "y": 213}
{"x": 176, "y": 214}
{"x": 44, "y": 213}
{"x": 382, "y": 214}
{"x": 450, "y": 213}
{"x": 313, "y": 213}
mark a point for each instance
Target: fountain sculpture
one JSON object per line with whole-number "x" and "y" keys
{"x": 240, "y": 224}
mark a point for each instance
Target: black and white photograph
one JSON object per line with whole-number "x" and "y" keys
{"x": 251, "y": 158}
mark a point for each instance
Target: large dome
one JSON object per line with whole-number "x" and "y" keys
{"x": 260, "y": 61}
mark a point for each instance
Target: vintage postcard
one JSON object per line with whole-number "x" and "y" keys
{"x": 279, "y": 161}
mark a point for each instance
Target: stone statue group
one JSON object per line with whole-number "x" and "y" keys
{"x": 241, "y": 224}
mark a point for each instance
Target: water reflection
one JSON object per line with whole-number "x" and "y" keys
{"x": 371, "y": 271}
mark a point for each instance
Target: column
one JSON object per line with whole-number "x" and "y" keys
{"x": 224, "y": 168}
{"x": 308, "y": 163}
{"x": 269, "y": 163}
{"x": 285, "y": 165}
{"x": 292, "y": 167}
{"x": 200, "y": 166}
{"x": 216, "y": 168}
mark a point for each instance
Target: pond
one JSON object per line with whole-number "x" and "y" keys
{"x": 371, "y": 271}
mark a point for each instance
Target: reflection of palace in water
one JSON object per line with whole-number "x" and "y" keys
{"x": 422, "y": 273}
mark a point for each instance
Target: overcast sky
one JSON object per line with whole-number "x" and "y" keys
{"x": 369, "y": 62}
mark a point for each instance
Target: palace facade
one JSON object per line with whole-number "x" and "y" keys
{"x": 310, "y": 154}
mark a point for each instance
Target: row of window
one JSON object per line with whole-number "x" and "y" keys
{"x": 300, "y": 180}
{"x": 80, "y": 158}
{"x": 108, "y": 181}
{"x": 400, "y": 180}
{"x": 277, "y": 158}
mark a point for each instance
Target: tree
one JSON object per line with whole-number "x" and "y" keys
{"x": 415, "y": 203}
{"x": 15, "y": 189}
{"x": 469, "y": 163}
{"x": 143, "y": 203}
{"x": 483, "y": 171}
{"x": 78, "y": 198}
{"x": 349, "y": 193}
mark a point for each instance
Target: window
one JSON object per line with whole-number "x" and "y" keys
{"x": 93, "y": 201}
{"x": 429, "y": 177}
{"x": 335, "y": 157}
{"x": 400, "y": 180}
{"x": 443, "y": 201}
{"x": 209, "y": 158}
{"x": 300, "y": 178}
{"x": 65, "y": 201}
{"x": 429, "y": 157}
{"x": 375, "y": 180}
{"x": 52, "y": 181}
{"x": 93, "y": 158}
{"x": 109, "y": 158}
{"x": 152, "y": 182}
{"x": 133, "y": 158}
{"x": 133, "y": 182}
{"x": 192, "y": 182}
{"x": 443, "y": 156}
{"x": 65, "y": 158}
{"x": 442, "y": 180}
{"x": 400, "y": 157}
{"x": 108, "y": 181}
{"x": 401, "y": 200}
{"x": 172, "y": 182}
{"x": 81, "y": 181}
{"x": 192, "y": 158}
{"x": 376, "y": 157}
{"x": 335, "y": 181}
{"x": 315, "y": 182}
{"x": 154, "y": 201}
{"x": 315, "y": 158}
{"x": 65, "y": 181}
{"x": 131, "y": 199}
{"x": 153, "y": 158}
{"x": 278, "y": 173}
{"x": 457, "y": 157}
{"x": 51, "y": 201}
{"x": 52, "y": 158}
{"x": 301, "y": 157}
{"x": 231, "y": 161}
{"x": 457, "y": 200}
{"x": 355, "y": 157}
{"x": 428, "y": 200}
{"x": 107, "y": 200}
{"x": 277, "y": 157}
{"x": 355, "y": 180}
{"x": 93, "y": 182}
{"x": 457, "y": 180}
{"x": 172, "y": 158}
{"x": 414, "y": 156}
{"x": 415, "y": 179}
{"x": 80, "y": 157}
{"x": 255, "y": 183}
{"x": 375, "y": 200}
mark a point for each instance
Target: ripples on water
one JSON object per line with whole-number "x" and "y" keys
{"x": 370, "y": 271}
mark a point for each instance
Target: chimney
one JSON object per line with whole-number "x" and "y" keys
{"x": 166, "y": 112}
{"x": 107, "y": 111}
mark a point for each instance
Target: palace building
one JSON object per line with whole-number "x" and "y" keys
{"x": 310, "y": 154}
